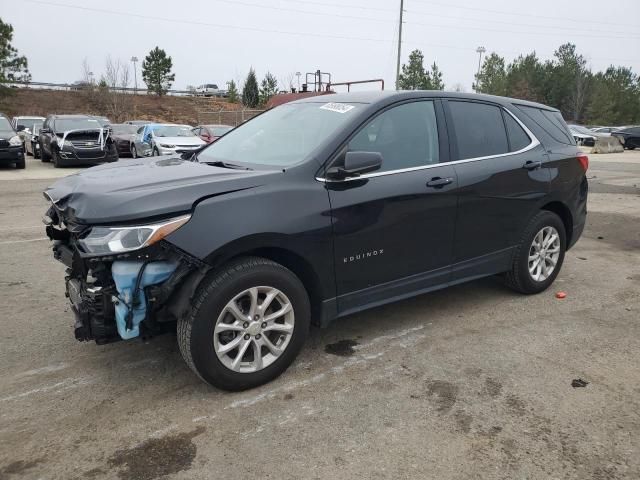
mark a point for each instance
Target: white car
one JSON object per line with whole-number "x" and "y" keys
{"x": 583, "y": 136}
{"x": 164, "y": 139}
{"x": 27, "y": 128}
{"x": 606, "y": 131}
{"x": 208, "y": 90}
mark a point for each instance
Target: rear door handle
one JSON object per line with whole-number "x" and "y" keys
{"x": 439, "y": 182}
{"x": 532, "y": 164}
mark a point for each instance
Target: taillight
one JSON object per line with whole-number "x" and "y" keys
{"x": 584, "y": 161}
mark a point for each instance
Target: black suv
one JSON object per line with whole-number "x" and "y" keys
{"x": 11, "y": 148}
{"x": 76, "y": 140}
{"x": 629, "y": 137}
{"x": 314, "y": 210}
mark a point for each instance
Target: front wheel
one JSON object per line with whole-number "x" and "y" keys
{"x": 35, "y": 151}
{"x": 247, "y": 324}
{"x": 156, "y": 152}
{"x": 540, "y": 254}
{"x": 134, "y": 151}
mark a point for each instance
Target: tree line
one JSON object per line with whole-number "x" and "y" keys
{"x": 566, "y": 82}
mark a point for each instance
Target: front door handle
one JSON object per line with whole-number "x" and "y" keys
{"x": 532, "y": 164}
{"x": 439, "y": 182}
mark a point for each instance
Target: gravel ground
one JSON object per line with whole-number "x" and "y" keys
{"x": 469, "y": 382}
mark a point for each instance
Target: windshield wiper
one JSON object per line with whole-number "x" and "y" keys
{"x": 220, "y": 163}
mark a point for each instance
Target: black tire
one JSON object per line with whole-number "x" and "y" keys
{"x": 134, "y": 150}
{"x": 632, "y": 147}
{"x": 21, "y": 164}
{"x": 55, "y": 158}
{"x": 43, "y": 155}
{"x": 156, "y": 152}
{"x": 35, "y": 151}
{"x": 195, "y": 330}
{"x": 519, "y": 278}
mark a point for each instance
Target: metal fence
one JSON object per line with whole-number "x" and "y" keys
{"x": 227, "y": 117}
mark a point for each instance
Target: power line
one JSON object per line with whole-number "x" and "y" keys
{"x": 563, "y": 28}
{"x": 502, "y": 12}
{"x": 517, "y": 32}
{"x": 342, "y": 5}
{"x": 205, "y": 24}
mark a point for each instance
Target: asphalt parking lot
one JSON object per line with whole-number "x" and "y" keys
{"x": 470, "y": 382}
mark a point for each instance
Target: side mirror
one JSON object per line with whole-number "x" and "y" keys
{"x": 20, "y": 128}
{"x": 356, "y": 164}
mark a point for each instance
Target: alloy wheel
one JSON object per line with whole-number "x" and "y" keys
{"x": 254, "y": 329}
{"x": 544, "y": 254}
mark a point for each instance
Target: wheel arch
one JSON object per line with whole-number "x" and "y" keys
{"x": 294, "y": 261}
{"x": 565, "y": 215}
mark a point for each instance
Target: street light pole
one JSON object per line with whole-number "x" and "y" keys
{"x": 134, "y": 60}
{"x": 479, "y": 50}
{"x": 298, "y": 75}
{"x": 399, "y": 44}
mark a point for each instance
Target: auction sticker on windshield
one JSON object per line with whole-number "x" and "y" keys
{"x": 337, "y": 107}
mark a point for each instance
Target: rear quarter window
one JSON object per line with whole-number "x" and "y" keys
{"x": 549, "y": 121}
{"x": 518, "y": 138}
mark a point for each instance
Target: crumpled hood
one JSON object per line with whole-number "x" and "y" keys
{"x": 141, "y": 189}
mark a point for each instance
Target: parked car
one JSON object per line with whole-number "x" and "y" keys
{"x": 314, "y": 210}
{"x": 208, "y": 90}
{"x": 164, "y": 139}
{"x": 104, "y": 121}
{"x": 629, "y": 137}
{"x": 583, "y": 136}
{"x": 123, "y": 135}
{"x": 27, "y": 128}
{"x": 11, "y": 149}
{"x": 75, "y": 140}
{"x": 211, "y": 133}
{"x": 606, "y": 131}
{"x": 138, "y": 122}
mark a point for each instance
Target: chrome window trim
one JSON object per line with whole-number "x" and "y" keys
{"x": 534, "y": 143}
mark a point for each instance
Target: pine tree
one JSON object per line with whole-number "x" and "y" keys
{"x": 232, "y": 91}
{"x": 268, "y": 88}
{"x": 434, "y": 78}
{"x": 13, "y": 67}
{"x": 413, "y": 76}
{"x": 250, "y": 94}
{"x": 156, "y": 71}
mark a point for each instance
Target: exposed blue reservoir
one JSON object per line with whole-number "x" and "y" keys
{"x": 125, "y": 274}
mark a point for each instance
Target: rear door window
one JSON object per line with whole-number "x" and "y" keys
{"x": 518, "y": 138}
{"x": 479, "y": 129}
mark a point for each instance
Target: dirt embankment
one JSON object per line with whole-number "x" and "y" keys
{"x": 118, "y": 107}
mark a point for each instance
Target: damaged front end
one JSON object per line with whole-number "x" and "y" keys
{"x": 122, "y": 281}
{"x": 87, "y": 145}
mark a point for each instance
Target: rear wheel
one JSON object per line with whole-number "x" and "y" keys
{"x": 248, "y": 322}
{"x": 134, "y": 151}
{"x": 540, "y": 254}
{"x": 35, "y": 151}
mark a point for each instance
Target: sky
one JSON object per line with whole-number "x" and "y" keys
{"x": 214, "y": 41}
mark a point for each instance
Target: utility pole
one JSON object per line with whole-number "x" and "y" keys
{"x": 298, "y": 75}
{"x": 135, "y": 75}
{"x": 479, "y": 50}
{"x": 399, "y": 44}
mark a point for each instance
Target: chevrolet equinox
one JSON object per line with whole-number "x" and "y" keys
{"x": 313, "y": 210}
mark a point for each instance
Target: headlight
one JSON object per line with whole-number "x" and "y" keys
{"x": 106, "y": 240}
{"x": 167, "y": 145}
{"x": 15, "y": 141}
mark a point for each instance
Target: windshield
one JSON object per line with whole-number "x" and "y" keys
{"x": 579, "y": 129}
{"x": 5, "y": 126}
{"x": 173, "y": 131}
{"x": 219, "y": 131}
{"x": 123, "y": 129}
{"x": 64, "y": 124}
{"x": 283, "y": 136}
{"x": 29, "y": 123}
